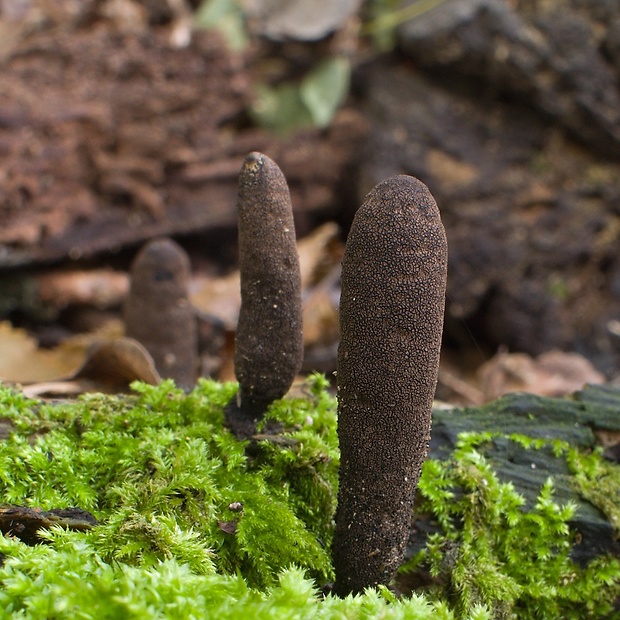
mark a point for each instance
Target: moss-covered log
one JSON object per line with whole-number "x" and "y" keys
{"x": 526, "y": 439}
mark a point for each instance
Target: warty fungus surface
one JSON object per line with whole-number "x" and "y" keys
{"x": 269, "y": 341}
{"x": 158, "y": 313}
{"x": 391, "y": 320}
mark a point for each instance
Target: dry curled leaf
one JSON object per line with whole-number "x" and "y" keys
{"x": 101, "y": 288}
{"x": 554, "y": 373}
{"x": 115, "y": 364}
{"x": 299, "y": 19}
{"x": 23, "y": 362}
{"x": 228, "y": 527}
{"x": 110, "y": 366}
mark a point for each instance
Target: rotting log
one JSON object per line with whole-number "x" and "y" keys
{"x": 109, "y": 167}
{"x": 588, "y": 419}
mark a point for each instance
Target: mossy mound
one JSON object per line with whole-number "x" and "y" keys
{"x": 193, "y": 523}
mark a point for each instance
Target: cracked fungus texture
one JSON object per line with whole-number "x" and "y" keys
{"x": 391, "y": 320}
{"x": 269, "y": 344}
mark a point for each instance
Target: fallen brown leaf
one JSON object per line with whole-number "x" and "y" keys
{"x": 110, "y": 366}
{"x": 554, "y": 373}
{"x": 23, "y": 362}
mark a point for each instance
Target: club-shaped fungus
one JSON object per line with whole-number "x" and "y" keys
{"x": 391, "y": 320}
{"x": 158, "y": 313}
{"x": 269, "y": 342}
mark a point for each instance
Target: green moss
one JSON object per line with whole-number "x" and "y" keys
{"x": 494, "y": 551}
{"x": 159, "y": 472}
{"x": 196, "y": 524}
{"x": 69, "y": 580}
{"x": 598, "y": 481}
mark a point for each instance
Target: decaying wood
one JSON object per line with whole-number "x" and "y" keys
{"x": 26, "y": 523}
{"x": 581, "y": 420}
{"x": 112, "y": 136}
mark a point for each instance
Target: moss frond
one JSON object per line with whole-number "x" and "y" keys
{"x": 194, "y": 523}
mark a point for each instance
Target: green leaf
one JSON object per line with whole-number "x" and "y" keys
{"x": 311, "y": 103}
{"x": 324, "y": 89}
{"x": 227, "y": 18}
{"x": 280, "y": 109}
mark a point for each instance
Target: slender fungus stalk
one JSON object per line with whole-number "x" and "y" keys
{"x": 391, "y": 321}
{"x": 269, "y": 343}
{"x": 158, "y": 313}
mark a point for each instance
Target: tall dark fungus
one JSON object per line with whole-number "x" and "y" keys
{"x": 158, "y": 313}
{"x": 269, "y": 341}
{"x": 391, "y": 321}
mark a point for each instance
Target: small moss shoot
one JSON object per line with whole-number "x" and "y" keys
{"x": 598, "y": 481}
{"x": 494, "y": 552}
{"x": 160, "y": 473}
{"x": 194, "y": 523}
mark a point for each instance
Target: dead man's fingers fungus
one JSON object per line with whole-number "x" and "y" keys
{"x": 269, "y": 342}
{"x": 158, "y": 313}
{"x": 391, "y": 320}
